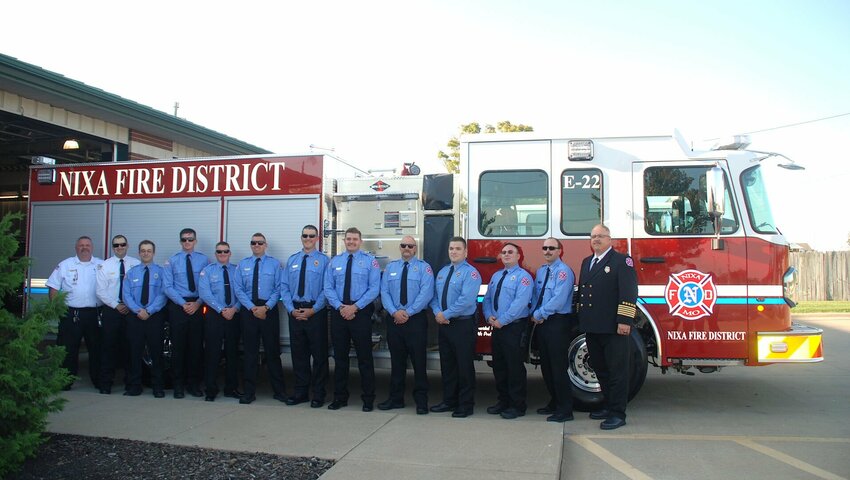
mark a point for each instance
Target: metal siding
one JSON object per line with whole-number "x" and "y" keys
{"x": 280, "y": 219}
{"x": 160, "y": 221}
{"x": 55, "y": 228}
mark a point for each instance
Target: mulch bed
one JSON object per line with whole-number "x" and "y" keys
{"x": 78, "y": 457}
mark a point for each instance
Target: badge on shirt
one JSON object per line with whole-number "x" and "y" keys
{"x": 202, "y": 273}
{"x": 607, "y": 269}
{"x": 513, "y": 277}
{"x": 315, "y": 263}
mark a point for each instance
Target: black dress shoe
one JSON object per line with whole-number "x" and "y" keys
{"x": 280, "y": 397}
{"x": 158, "y": 394}
{"x": 600, "y": 414}
{"x": 390, "y": 404}
{"x": 195, "y": 392}
{"x": 296, "y": 400}
{"x": 316, "y": 403}
{"x": 132, "y": 393}
{"x": 368, "y": 406}
{"x": 178, "y": 393}
{"x": 337, "y": 404}
{"x": 233, "y": 394}
{"x": 497, "y": 408}
{"x": 105, "y": 390}
{"x": 442, "y": 407}
{"x": 422, "y": 410}
{"x": 209, "y": 398}
{"x": 560, "y": 417}
{"x": 247, "y": 399}
{"x": 462, "y": 413}
{"x": 547, "y": 410}
{"x": 611, "y": 423}
{"x": 511, "y": 413}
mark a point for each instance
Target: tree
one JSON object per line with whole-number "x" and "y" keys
{"x": 30, "y": 377}
{"x": 452, "y": 159}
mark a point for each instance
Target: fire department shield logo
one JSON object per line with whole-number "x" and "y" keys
{"x": 690, "y": 294}
{"x": 379, "y": 186}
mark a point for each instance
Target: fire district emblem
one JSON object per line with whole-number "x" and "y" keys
{"x": 379, "y": 186}
{"x": 690, "y": 294}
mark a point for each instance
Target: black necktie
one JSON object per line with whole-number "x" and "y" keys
{"x": 301, "y": 277}
{"x": 403, "y": 296}
{"x": 227, "y": 297}
{"x": 542, "y": 290}
{"x": 346, "y": 287}
{"x": 499, "y": 290}
{"x": 444, "y": 302}
{"x": 190, "y": 275}
{"x": 255, "y": 288}
{"x": 121, "y": 281}
{"x": 146, "y": 284}
{"x": 593, "y": 264}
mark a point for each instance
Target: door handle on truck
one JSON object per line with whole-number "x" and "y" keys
{"x": 652, "y": 260}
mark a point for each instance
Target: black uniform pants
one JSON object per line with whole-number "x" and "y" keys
{"x": 216, "y": 329}
{"x": 187, "y": 346}
{"x": 309, "y": 338}
{"x": 457, "y": 361}
{"x": 552, "y": 337}
{"x": 76, "y": 325}
{"x": 509, "y": 365}
{"x": 115, "y": 349}
{"x": 343, "y": 333}
{"x": 408, "y": 340}
{"x": 609, "y": 356}
{"x": 141, "y": 334}
{"x": 266, "y": 330}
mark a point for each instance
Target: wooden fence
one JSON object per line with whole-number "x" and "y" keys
{"x": 822, "y": 275}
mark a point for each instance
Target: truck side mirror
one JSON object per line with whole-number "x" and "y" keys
{"x": 715, "y": 192}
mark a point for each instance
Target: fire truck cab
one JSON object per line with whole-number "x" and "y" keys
{"x": 714, "y": 280}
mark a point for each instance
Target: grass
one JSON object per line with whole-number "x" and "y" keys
{"x": 829, "y": 306}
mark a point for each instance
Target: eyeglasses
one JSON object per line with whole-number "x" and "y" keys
{"x": 547, "y": 247}
{"x": 508, "y": 252}
{"x": 118, "y": 245}
{"x": 596, "y": 237}
{"x": 308, "y": 235}
{"x": 187, "y": 239}
{"x": 406, "y": 245}
{"x": 222, "y": 252}
{"x": 257, "y": 242}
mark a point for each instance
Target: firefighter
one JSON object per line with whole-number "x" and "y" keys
{"x": 406, "y": 289}
{"x": 506, "y": 311}
{"x": 144, "y": 295}
{"x": 352, "y": 283}
{"x": 301, "y": 290}
{"x": 217, "y": 290}
{"x": 454, "y": 303}
{"x": 551, "y": 313}
{"x": 77, "y": 277}
{"x": 110, "y": 289}
{"x": 606, "y": 312}
{"x": 258, "y": 290}
{"x": 185, "y": 314}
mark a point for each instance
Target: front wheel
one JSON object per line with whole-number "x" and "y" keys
{"x": 587, "y": 394}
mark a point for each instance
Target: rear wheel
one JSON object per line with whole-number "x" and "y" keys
{"x": 587, "y": 394}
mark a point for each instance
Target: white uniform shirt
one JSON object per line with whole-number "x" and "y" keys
{"x": 109, "y": 276}
{"x": 78, "y": 279}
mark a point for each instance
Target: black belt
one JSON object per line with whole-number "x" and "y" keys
{"x": 303, "y": 304}
{"x": 190, "y": 299}
{"x": 462, "y": 317}
{"x": 83, "y": 309}
{"x": 259, "y": 302}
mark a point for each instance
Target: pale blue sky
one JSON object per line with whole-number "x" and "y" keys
{"x": 387, "y": 82}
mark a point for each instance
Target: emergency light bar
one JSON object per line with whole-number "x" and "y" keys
{"x": 580, "y": 150}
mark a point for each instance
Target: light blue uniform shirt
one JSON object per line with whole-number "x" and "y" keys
{"x": 420, "y": 286}
{"x": 462, "y": 297}
{"x": 365, "y": 279}
{"x": 176, "y": 280}
{"x": 514, "y": 295}
{"x": 133, "y": 281}
{"x": 268, "y": 285}
{"x": 211, "y": 286}
{"x": 558, "y": 296}
{"x": 314, "y": 280}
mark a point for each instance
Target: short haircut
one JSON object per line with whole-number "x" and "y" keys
{"x": 84, "y": 237}
{"x": 222, "y": 244}
{"x": 354, "y": 230}
{"x": 116, "y": 237}
{"x": 518, "y": 250}
{"x": 458, "y": 239}
{"x": 310, "y": 227}
{"x": 147, "y": 242}
{"x": 560, "y": 247}
{"x": 603, "y": 227}
{"x": 258, "y": 234}
{"x": 188, "y": 230}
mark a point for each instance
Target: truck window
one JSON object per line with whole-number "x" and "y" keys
{"x": 675, "y": 203}
{"x": 755, "y": 196}
{"x": 581, "y": 201}
{"x": 513, "y": 203}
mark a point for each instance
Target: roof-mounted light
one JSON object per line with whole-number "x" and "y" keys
{"x": 580, "y": 150}
{"x": 735, "y": 142}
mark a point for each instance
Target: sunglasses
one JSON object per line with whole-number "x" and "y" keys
{"x": 308, "y": 235}
{"x": 117, "y": 245}
{"x": 406, "y": 245}
{"x": 187, "y": 239}
{"x": 545, "y": 247}
{"x": 508, "y": 252}
{"x": 257, "y": 242}
{"x": 221, "y": 252}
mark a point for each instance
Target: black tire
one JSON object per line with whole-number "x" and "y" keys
{"x": 587, "y": 395}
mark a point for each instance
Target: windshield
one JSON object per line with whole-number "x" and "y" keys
{"x": 755, "y": 196}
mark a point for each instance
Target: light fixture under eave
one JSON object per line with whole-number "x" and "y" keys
{"x": 71, "y": 145}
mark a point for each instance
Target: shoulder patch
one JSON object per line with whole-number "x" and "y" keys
{"x": 474, "y": 274}
{"x": 428, "y": 270}
{"x": 525, "y": 281}
{"x": 562, "y": 275}
{"x": 375, "y": 264}
{"x": 630, "y": 262}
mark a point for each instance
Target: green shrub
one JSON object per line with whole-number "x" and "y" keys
{"x": 31, "y": 375}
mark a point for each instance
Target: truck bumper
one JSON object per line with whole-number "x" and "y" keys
{"x": 800, "y": 344}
